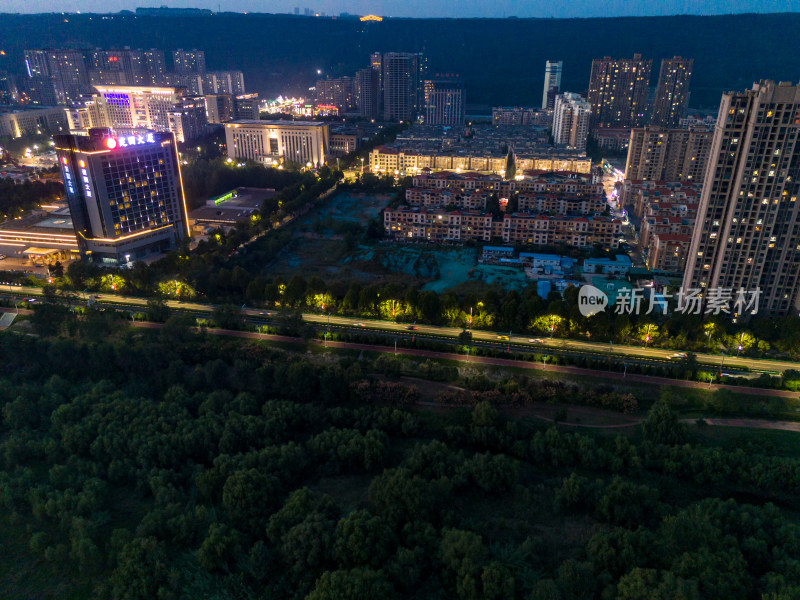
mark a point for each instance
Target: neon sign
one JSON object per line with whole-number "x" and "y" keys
{"x": 133, "y": 140}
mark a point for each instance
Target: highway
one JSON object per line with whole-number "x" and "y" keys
{"x": 485, "y": 338}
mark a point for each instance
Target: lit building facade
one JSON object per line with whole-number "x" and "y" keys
{"x": 618, "y": 91}
{"x": 748, "y": 224}
{"x": 273, "y": 142}
{"x": 444, "y": 102}
{"x": 672, "y": 92}
{"x": 552, "y": 82}
{"x": 661, "y": 154}
{"x": 125, "y": 194}
{"x": 130, "y": 108}
{"x": 571, "y": 115}
{"x": 188, "y": 62}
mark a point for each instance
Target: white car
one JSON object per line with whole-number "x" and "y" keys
{"x": 679, "y": 356}
{"x": 536, "y": 341}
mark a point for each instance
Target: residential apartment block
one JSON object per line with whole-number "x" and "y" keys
{"x": 659, "y": 153}
{"x": 748, "y": 225}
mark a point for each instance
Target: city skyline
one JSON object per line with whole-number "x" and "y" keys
{"x": 435, "y": 8}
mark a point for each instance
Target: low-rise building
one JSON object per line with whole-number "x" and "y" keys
{"x": 667, "y": 252}
{"x": 606, "y": 266}
{"x": 563, "y": 204}
{"x": 437, "y": 225}
{"x": 580, "y": 232}
{"x": 429, "y": 198}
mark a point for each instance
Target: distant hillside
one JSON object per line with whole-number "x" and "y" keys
{"x": 501, "y": 60}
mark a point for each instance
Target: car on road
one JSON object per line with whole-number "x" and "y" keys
{"x": 359, "y": 324}
{"x": 3, "y": 257}
{"x": 536, "y": 341}
{"x": 678, "y": 356}
{"x": 502, "y": 337}
{"x": 412, "y": 327}
{"x": 268, "y": 314}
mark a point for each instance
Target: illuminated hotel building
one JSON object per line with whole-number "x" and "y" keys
{"x": 133, "y": 108}
{"x": 272, "y": 142}
{"x": 125, "y": 194}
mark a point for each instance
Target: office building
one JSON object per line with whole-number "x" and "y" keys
{"x": 34, "y": 121}
{"x": 672, "y": 92}
{"x": 189, "y": 62}
{"x": 124, "y": 192}
{"x": 338, "y": 92}
{"x": 219, "y": 108}
{"x": 552, "y": 82}
{"x": 187, "y": 119}
{"x": 571, "y": 115}
{"x": 662, "y": 154}
{"x": 245, "y": 106}
{"x": 132, "y": 108}
{"x": 444, "y": 102}
{"x": 748, "y": 228}
{"x": 275, "y": 142}
{"x": 401, "y": 85}
{"x": 365, "y": 88}
{"x": 618, "y": 91}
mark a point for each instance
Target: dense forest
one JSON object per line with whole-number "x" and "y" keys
{"x": 500, "y": 60}
{"x": 165, "y": 464}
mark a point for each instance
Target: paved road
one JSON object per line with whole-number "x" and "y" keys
{"x": 556, "y": 344}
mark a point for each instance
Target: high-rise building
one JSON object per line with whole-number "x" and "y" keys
{"x": 618, "y": 91}
{"x": 662, "y": 154}
{"x": 273, "y": 142}
{"x": 571, "y": 115}
{"x": 115, "y": 67}
{"x": 748, "y": 227}
{"x": 124, "y": 192}
{"x": 57, "y": 76}
{"x": 672, "y": 92}
{"x": 131, "y": 108}
{"x": 189, "y": 62}
{"x": 219, "y": 108}
{"x": 552, "y": 82}
{"x": 401, "y": 85}
{"x": 154, "y": 66}
{"x": 376, "y": 64}
{"x": 366, "y": 92}
{"x": 246, "y": 106}
{"x": 338, "y": 92}
{"x": 8, "y": 89}
{"x": 444, "y": 102}
{"x": 216, "y": 82}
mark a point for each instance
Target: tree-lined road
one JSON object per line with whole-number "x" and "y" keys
{"x": 547, "y": 344}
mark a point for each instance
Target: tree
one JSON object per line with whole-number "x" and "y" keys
{"x": 662, "y": 425}
{"x": 362, "y": 539}
{"x": 157, "y": 310}
{"x": 355, "y": 584}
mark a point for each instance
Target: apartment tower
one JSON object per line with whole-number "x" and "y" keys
{"x": 672, "y": 92}
{"x": 748, "y": 227}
